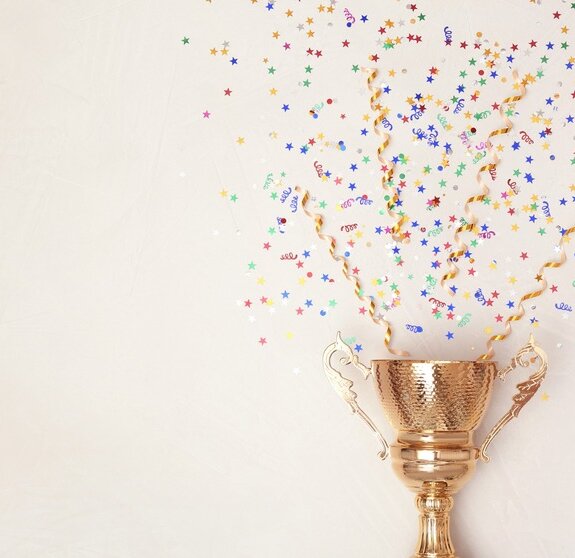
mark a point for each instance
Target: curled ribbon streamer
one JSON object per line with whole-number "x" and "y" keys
{"x": 318, "y": 220}
{"x": 532, "y": 294}
{"x": 490, "y": 167}
{"x": 387, "y": 165}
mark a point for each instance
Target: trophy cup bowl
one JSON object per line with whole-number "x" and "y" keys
{"x": 435, "y": 406}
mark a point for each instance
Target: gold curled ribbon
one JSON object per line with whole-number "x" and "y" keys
{"x": 471, "y": 219}
{"x": 318, "y": 220}
{"x": 387, "y": 166}
{"x": 532, "y": 294}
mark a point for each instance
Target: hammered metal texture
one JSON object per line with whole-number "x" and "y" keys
{"x": 434, "y": 395}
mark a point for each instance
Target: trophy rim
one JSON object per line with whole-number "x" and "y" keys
{"x": 486, "y": 362}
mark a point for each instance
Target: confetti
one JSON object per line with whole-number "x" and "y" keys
{"x": 397, "y": 217}
{"x": 471, "y": 220}
{"x": 345, "y": 269}
{"x": 387, "y": 166}
{"x": 530, "y": 295}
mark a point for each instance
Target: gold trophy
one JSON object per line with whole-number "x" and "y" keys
{"x": 435, "y": 406}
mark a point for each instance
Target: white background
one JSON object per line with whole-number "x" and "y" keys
{"x": 135, "y": 418}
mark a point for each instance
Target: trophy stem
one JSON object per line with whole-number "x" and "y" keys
{"x": 434, "y": 538}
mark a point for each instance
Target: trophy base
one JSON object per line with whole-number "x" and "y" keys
{"x": 434, "y": 465}
{"x": 433, "y": 555}
{"x": 434, "y": 537}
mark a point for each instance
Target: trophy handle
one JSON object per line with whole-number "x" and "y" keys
{"x": 526, "y": 389}
{"x": 343, "y": 386}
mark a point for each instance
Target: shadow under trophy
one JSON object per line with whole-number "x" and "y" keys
{"x": 435, "y": 406}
